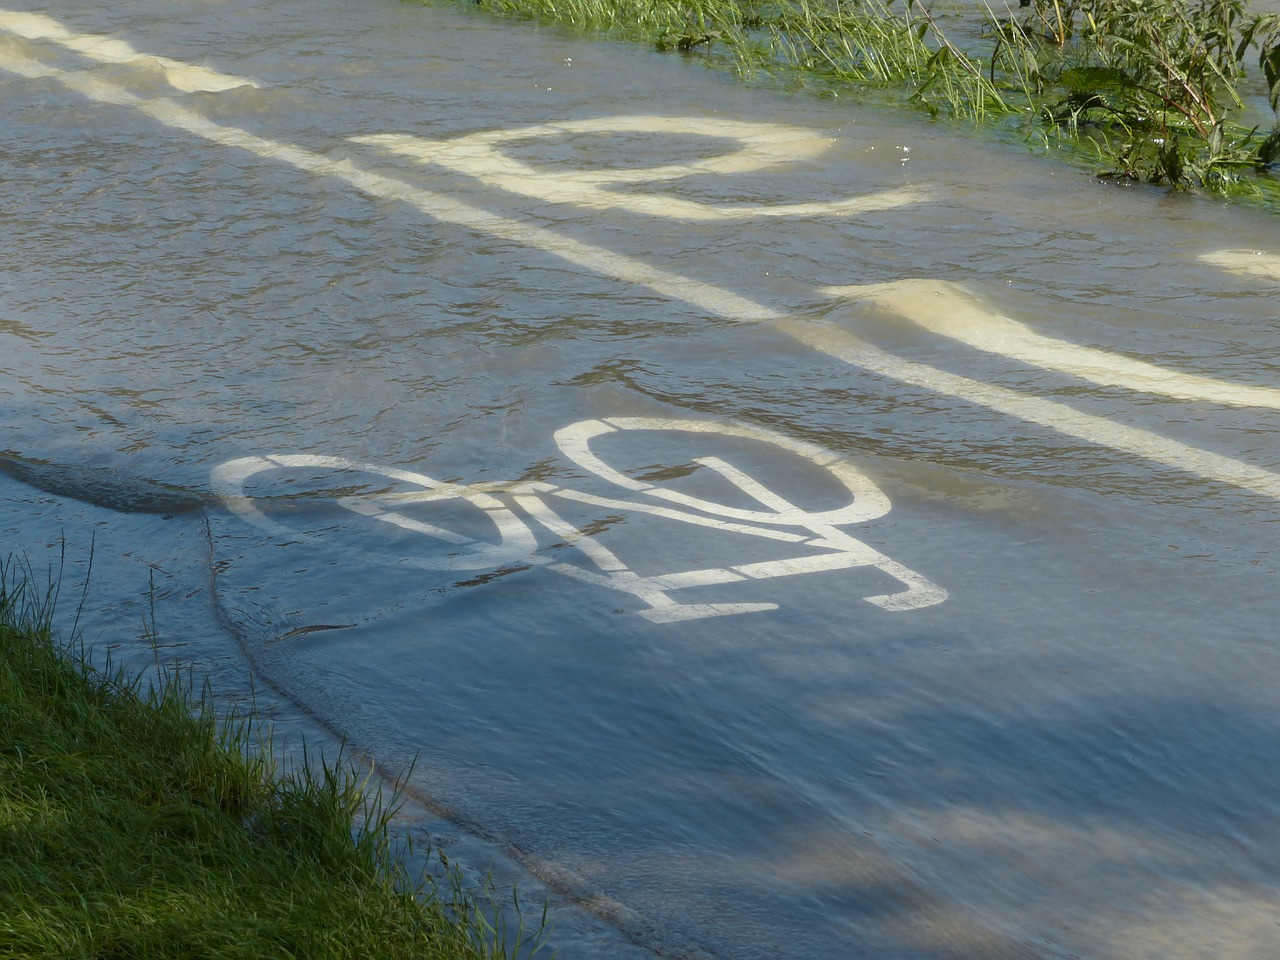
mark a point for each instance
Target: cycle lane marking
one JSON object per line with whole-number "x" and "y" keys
{"x": 760, "y": 147}
{"x": 716, "y": 300}
{"x": 866, "y": 502}
{"x": 517, "y": 543}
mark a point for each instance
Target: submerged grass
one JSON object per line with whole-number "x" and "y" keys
{"x": 134, "y": 823}
{"x": 1132, "y": 89}
{"x": 826, "y": 43}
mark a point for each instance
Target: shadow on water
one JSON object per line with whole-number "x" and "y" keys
{"x": 102, "y": 487}
{"x": 766, "y": 793}
{"x": 1055, "y": 835}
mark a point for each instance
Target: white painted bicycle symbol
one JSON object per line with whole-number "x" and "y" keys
{"x": 510, "y": 542}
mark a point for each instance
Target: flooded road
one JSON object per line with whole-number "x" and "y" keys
{"x": 782, "y": 529}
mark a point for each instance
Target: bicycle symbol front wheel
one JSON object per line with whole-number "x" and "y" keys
{"x": 865, "y": 500}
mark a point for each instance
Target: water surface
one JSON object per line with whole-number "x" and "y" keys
{"x": 757, "y": 615}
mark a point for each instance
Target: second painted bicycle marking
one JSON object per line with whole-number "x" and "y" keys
{"x": 815, "y": 539}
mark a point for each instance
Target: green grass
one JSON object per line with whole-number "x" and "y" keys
{"x": 823, "y": 43}
{"x": 134, "y": 824}
{"x": 1143, "y": 90}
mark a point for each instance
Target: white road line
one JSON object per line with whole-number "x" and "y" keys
{"x": 181, "y": 76}
{"x": 951, "y": 310}
{"x": 1253, "y": 263}
{"x": 715, "y": 300}
{"x": 436, "y": 205}
{"x": 1047, "y": 413}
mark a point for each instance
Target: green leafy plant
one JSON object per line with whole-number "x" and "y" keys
{"x": 1153, "y": 85}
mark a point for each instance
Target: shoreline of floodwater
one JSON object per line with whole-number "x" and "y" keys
{"x": 141, "y": 822}
{"x": 1160, "y": 95}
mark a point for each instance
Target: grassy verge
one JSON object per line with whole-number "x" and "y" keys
{"x": 134, "y": 824}
{"x": 1170, "y": 92}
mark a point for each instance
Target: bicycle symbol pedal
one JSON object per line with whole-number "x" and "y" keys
{"x": 504, "y": 511}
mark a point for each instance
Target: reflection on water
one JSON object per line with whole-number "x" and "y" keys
{"x": 499, "y": 422}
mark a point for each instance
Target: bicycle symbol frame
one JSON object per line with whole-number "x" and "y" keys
{"x": 826, "y": 547}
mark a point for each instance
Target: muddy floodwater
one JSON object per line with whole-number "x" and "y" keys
{"x": 770, "y": 529}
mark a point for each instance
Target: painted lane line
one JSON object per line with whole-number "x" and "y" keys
{"x": 187, "y": 77}
{"x": 951, "y": 310}
{"x": 714, "y": 300}
{"x": 1253, "y": 263}
{"x": 1031, "y": 409}
{"x": 438, "y": 206}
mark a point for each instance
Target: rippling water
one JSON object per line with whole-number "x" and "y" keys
{"x": 884, "y": 582}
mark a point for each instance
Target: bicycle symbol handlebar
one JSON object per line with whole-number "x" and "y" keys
{"x": 817, "y": 533}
